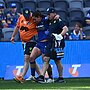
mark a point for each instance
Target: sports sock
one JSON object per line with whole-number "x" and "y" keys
{"x": 32, "y": 68}
{"x": 49, "y": 70}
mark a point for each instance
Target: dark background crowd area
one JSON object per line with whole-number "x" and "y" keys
{"x": 70, "y": 11}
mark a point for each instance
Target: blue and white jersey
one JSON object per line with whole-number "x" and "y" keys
{"x": 75, "y": 36}
{"x": 43, "y": 30}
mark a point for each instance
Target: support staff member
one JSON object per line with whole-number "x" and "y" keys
{"x": 27, "y": 28}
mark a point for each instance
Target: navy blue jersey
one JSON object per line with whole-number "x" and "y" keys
{"x": 56, "y": 26}
{"x": 12, "y": 19}
{"x": 43, "y": 29}
{"x": 2, "y": 17}
{"x": 2, "y": 20}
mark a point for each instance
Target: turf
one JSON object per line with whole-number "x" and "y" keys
{"x": 71, "y": 84}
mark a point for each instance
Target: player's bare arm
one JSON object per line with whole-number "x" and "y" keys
{"x": 14, "y": 33}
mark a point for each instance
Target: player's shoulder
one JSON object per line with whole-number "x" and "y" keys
{"x": 59, "y": 20}
{"x": 21, "y": 16}
{"x": 18, "y": 14}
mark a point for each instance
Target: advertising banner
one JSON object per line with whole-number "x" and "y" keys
{"x": 70, "y": 71}
{"x": 76, "y": 61}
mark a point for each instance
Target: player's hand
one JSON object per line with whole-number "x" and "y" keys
{"x": 58, "y": 36}
{"x": 12, "y": 39}
{"x": 46, "y": 32}
{"x": 57, "y": 16}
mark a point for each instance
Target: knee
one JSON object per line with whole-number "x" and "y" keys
{"x": 49, "y": 68}
{"x": 31, "y": 59}
{"x": 26, "y": 58}
{"x": 46, "y": 59}
{"x": 57, "y": 62}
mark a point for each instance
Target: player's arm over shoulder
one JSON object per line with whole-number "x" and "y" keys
{"x": 63, "y": 25}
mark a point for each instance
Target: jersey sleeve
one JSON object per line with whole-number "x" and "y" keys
{"x": 61, "y": 23}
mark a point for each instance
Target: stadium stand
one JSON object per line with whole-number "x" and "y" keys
{"x": 70, "y": 11}
{"x": 76, "y": 12}
{"x": 86, "y": 30}
{"x": 44, "y": 4}
{"x": 31, "y": 4}
{"x": 2, "y": 2}
{"x": 73, "y": 20}
{"x": 42, "y": 10}
{"x": 86, "y": 3}
{"x": 75, "y": 15}
{"x": 7, "y": 33}
{"x": 76, "y": 4}
{"x": 1, "y": 26}
{"x": 85, "y": 10}
{"x": 18, "y": 4}
{"x": 63, "y": 4}
{"x": 63, "y": 13}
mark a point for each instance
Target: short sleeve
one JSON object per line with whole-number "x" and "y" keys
{"x": 61, "y": 23}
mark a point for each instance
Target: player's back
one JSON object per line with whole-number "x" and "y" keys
{"x": 27, "y": 28}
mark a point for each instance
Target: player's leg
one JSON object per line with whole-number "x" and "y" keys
{"x": 59, "y": 67}
{"x": 39, "y": 50}
{"x": 49, "y": 71}
{"x": 27, "y": 51}
{"x": 37, "y": 70}
{"x": 45, "y": 66}
{"x": 60, "y": 71}
{"x": 35, "y": 53}
{"x": 26, "y": 65}
{"x": 20, "y": 78}
{"x": 46, "y": 59}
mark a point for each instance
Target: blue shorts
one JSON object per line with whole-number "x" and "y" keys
{"x": 41, "y": 46}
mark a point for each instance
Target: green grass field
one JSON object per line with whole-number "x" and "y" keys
{"x": 71, "y": 84}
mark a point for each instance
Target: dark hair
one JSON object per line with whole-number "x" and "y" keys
{"x": 79, "y": 24}
{"x": 37, "y": 14}
{"x": 26, "y": 13}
